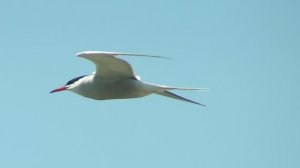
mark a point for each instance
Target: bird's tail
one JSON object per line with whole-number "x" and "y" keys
{"x": 167, "y": 93}
{"x": 185, "y": 88}
{"x": 174, "y": 96}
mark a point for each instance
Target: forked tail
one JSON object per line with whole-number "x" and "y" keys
{"x": 185, "y": 88}
{"x": 175, "y": 96}
{"x": 164, "y": 90}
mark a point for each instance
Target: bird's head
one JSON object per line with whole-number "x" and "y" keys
{"x": 73, "y": 83}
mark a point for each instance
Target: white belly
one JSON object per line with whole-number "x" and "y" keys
{"x": 115, "y": 89}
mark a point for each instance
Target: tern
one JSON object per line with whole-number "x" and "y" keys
{"x": 114, "y": 78}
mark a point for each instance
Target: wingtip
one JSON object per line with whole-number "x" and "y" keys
{"x": 85, "y": 53}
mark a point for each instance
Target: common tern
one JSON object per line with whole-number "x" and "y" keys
{"x": 114, "y": 78}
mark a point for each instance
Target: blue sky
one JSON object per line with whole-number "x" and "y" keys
{"x": 246, "y": 52}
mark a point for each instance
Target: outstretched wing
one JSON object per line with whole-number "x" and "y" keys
{"x": 109, "y": 66}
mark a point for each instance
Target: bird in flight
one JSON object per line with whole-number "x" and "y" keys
{"x": 114, "y": 78}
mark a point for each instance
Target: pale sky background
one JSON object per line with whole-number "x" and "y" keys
{"x": 246, "y": 52}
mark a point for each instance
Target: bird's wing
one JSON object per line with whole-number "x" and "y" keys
{"x": 109, "y": 66}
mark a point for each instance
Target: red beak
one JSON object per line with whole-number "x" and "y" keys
{"x": 59, "y": 89}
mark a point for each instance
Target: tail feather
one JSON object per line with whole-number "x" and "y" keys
{"x": 174, "y": 96}
{"x": 184, "y": 88}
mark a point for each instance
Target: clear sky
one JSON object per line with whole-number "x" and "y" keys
{"x": 246, "y": 52}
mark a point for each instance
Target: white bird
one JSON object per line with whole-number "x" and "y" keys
{"x": 115, "y": 79}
